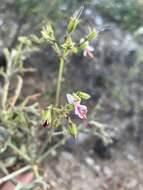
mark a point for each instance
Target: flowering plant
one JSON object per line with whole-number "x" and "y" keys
{"x": 64, "y": 50}
{"x": 21, "y": 134}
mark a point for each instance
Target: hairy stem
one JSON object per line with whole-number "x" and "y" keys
{"x": 19, "y": 152}
{"x": 58, "y": 91}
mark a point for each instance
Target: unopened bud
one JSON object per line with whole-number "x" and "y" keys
{"x": 72, "y": 129}
{"x": 83, "y": 95}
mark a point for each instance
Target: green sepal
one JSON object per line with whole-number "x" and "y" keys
{"x": 69, "y": 107}
{"x": 76, "y": 97}
{"x": 83, "y": 44}
{"x": 68, "y": 44}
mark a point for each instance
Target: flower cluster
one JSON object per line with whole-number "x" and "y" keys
{"x": 52, "y": 117}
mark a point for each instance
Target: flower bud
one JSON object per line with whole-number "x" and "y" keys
{"x": 72, "y": 129}
{"x": 92, "y": 34}
{"x": 83, "y": 95}
{"x": 74, "y": 20}
{"x": 72, "y": 25}
{"x": 46, "y": 117}
{"x": 48, "y": 33}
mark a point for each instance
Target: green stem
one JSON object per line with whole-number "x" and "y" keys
{"x": 58, "y": 91}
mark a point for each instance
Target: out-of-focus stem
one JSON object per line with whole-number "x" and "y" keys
{"x": 19, "y": 152}
{"x": 50, "y": 150}
{"x": 14, "y": 174}
{"x": 5, "y": 171}
{"x": 17, "y": 90}
{"x": 6, "y": 83}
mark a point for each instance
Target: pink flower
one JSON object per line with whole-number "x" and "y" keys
{"x": 88, "y": 52}
{"x": 80, "y": 110}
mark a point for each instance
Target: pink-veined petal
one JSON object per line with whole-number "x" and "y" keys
{"x": 80, "y": 110}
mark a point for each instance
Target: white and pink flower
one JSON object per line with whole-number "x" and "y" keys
{"x": 80, "y": 110}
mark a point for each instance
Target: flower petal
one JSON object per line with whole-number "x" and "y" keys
{"x": 80, "y": 110}
{"x": 88, "y": 52}
{"x": 70, "y": 98}
{"x": 90, "y": 48}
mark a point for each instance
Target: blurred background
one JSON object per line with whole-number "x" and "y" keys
{"x": 114, "y": 79}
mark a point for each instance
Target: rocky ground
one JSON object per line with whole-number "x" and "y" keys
{"x": 84, "y": 169}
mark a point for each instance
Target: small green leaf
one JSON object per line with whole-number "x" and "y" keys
{"x": 36, "y": 39}
{"x": 24, "y": 40}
